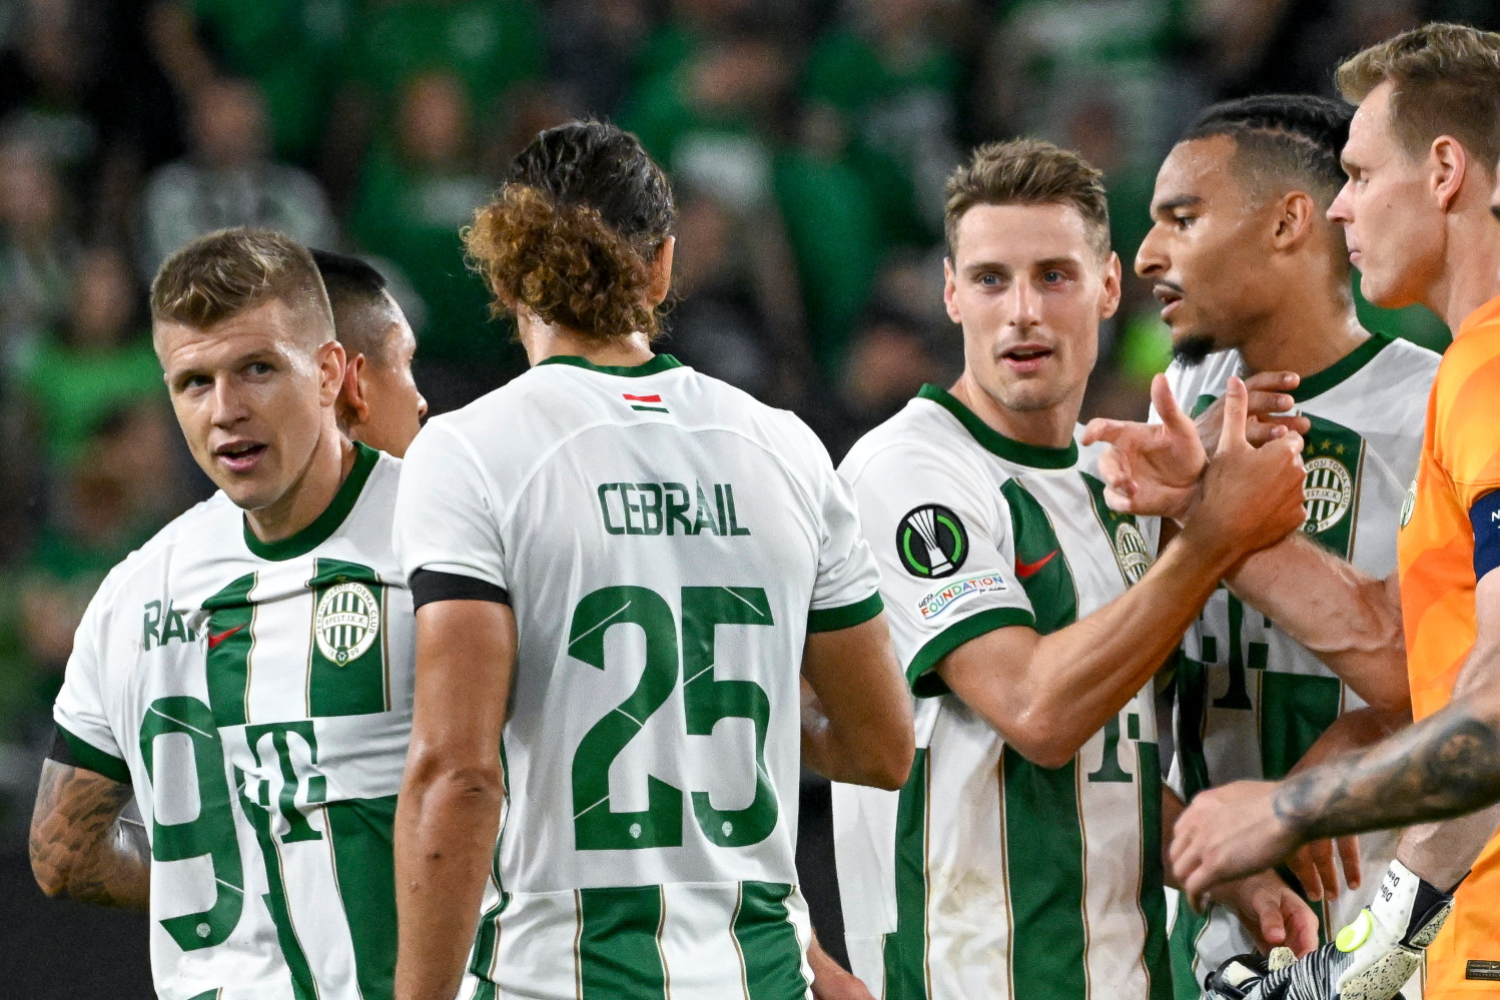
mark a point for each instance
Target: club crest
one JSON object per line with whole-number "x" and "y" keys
{"x": 1329, "y": 491}
{"x": 347, "y": 622}
{"x": 1130, "y": 551}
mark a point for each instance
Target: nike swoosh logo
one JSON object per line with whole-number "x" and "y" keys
{"x": 1026, "y": 570}
{"x": 214, "y": 640}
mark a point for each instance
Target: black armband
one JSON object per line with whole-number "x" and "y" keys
{"x": 428, "y": 586}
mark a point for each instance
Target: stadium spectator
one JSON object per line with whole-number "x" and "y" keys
{"x": 228, "y": 180}
{"x": 36, "y": 247}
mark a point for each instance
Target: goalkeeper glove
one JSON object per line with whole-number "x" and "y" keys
{"x": 1371, "y": 959}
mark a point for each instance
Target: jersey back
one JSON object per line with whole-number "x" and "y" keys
{"x": 1251, "y": 701}
{"x": 666, "y": 544}
{"x": 989, "y": 876}
{"x": 258, "y": 698}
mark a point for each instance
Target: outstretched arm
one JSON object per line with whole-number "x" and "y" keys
{"x": 448, "y": 813}
{"x": 1048, "y": 694}
{"x": 81, "y": 847}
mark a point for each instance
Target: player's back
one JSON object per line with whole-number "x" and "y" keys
{"x": 666, "y": 543}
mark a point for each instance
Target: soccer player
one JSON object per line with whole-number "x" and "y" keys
{"x": 247, "y": 673}
{"x": 621, "y": 567}
{"x": 1255, "y": 279}
{"x": 379, "y": 403}
{"x": 1023, "y": 858}
{"x": 1416, "y": 212}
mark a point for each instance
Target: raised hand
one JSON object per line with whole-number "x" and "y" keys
{"x": 1251, "y": 496}
{"x": 1268, "y": 396}
{"x": 1150, "y": 469}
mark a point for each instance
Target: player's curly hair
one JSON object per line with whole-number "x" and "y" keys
{"x": 572, "y": 233}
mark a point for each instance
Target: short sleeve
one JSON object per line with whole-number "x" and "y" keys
{"x": 445, "y": 518}
{"x": 947, "y": 560}
{"x": 81, "y": 712}
{"x": 847, "y": 590}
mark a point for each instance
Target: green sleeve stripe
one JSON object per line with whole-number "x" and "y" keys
{"x": 924, "y": 683}
{"x": 850, "y": 615}
{"x": 92, "y": 758}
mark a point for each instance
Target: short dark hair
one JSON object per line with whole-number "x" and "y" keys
{"x": 1446, "y": 78}
{"x": 229, "y": 271}
{"x": 356, "y": 292}
{"x": 1028, "y": 172}
{"x": 574, "y": 230}
{"x": 1288, "y": 139}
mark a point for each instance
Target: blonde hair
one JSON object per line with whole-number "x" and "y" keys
{"x": 218, "y": 276}
{"x": 1028, "y": 172}
{"x": 1446, "y": 81}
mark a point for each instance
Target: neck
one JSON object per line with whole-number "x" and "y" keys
{"x": 1305, "y": 335}
{"x": 332, "y": 459}
{"x": 1046, "y": 428}
{"x": 1470, "y": 268}
{"x": 549, "y": 340}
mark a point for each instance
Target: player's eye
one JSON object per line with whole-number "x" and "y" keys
{"x": 193, "y": 382}
{"x": 1054, "y": 277}
{"x": 259, "y": 368}
{"x": 1183, "y": 221}
{"x": 989, "y": 280}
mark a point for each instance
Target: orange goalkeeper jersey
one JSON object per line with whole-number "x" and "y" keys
{"x": 1460, "y": 463}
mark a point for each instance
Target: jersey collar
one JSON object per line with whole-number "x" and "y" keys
{"x": 328, "y": 522}
{"x": 1034, "y": 455}
{"x": 1485, "y": 314}
{"x": 660, "y": 363}
{"x": 1320, "y": 382}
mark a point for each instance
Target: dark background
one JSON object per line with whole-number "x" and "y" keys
{"x": 807, "y": 142}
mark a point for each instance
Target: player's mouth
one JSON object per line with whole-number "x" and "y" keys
{"x": 1026, "y": 359}
{"x": 1170, "y": 296}
{"x": 240, "y": 456}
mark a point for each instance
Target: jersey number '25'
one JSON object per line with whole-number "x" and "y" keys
{"x": 706, "y": 700}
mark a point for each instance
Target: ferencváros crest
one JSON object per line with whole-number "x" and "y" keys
{"x": 347, "y": 622}
{"x": 1329, "y": 490}
{"x": 1130, "y": 551}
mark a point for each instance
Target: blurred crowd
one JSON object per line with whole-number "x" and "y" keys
{"x": 807, "y": 139}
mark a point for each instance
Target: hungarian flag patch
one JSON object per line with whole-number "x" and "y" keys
{"x": 651, "y": 404}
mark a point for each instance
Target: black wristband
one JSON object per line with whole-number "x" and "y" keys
{"x": 429, "y": 585}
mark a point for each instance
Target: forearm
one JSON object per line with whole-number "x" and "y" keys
{"x": 1348, "y": 619}
{"x": 446, "y": 826}
{"x": 856, "y": 709}
{"x": 81, "y": 848}
{"x": 1351, "y": 732}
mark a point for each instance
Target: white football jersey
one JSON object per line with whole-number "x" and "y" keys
{"x": 666, "y": 543}
{"x": 1250, "y": 700}
{"x": 988, "y": 876}
{"x": 258, "y": 698}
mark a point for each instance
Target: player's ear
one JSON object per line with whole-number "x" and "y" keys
{"x": 1449, "y": 163}
{"x": 330, "y": 358}
{"x": 1110, "y": 281}
{"x": 354, "y": 405}
{"x": 1295, "y": 213}
{"x": 661, "y": 273}
{"x": 949, "y": 290}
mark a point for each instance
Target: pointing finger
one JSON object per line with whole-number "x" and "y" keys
{"x": 1235, "y": 414}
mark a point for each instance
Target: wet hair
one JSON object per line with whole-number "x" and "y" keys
{"x": 572, "y": 233}
{"x": 1283, "y": 141}
{"x": 229, "y": 271}
{"x": 362, "y": 314}
{"x": 1028, "y": 172}
{"x": 1446, "y": 80}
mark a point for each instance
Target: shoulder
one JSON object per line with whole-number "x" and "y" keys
{"x": 183, "y": 539}
{"x": 922, "y": 448}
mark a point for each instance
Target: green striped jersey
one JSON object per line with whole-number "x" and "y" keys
{"x": 1251, "y": 701}
{"x": 988, "y": 876}
{"x": 258, "y": 698}
{"x": 667, "y": 543}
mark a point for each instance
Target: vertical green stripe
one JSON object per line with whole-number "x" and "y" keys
{"x": 1153, "y": 898}
{"x": 1044, "y": 858}
{"x": 1294, "y": 711}
{"x": 1050, "y": 588}
{"x": 486, "y": 990}
{"x": 905, "y": 951}
{"x": 617, "y": 945}
{"x": 768, "y": 942}
{"x": 362, "y": 834}
{"x": 1184, "y": 947}
{"x": 231, "y": 638}
{"x": 1192, "y": 691}
{"x": 358, "y": 685}
{"x": 303, "y": 985}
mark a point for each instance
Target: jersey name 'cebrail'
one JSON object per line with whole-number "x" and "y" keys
{"x": 668, "y": 508}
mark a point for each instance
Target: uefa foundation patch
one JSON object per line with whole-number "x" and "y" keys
{"x": 939, "y": 601}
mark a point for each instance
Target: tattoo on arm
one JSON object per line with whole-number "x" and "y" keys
{"x": 1445, "y": 766}
{"x": 81, "y": 847}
